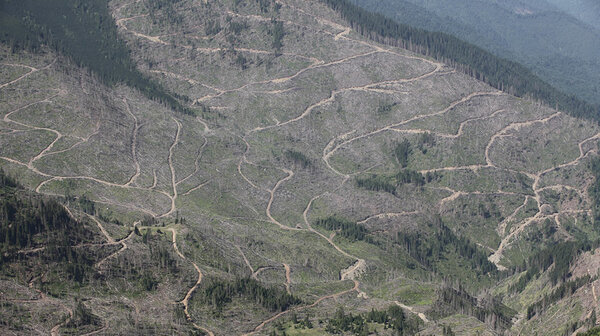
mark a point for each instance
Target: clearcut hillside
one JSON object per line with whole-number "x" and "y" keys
{"x": 557, "y": 40}
{"x": 325, "y": 184}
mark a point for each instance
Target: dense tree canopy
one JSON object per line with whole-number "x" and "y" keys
{"x": 85, "y": 31}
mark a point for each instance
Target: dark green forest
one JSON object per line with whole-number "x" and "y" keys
{"x": 557, "y": 258}
{"x": 347, "y": 229}
{"x": 84, "y": 31}
{"x": 221, "y": 292}
{"x": 429, "y": 248}
{"x": 23, "y": 216}
{"x": 389, "y": 184}
{"x": 392, "y": 318}
{"x": 487, "y": 309}
{"x": 500, "y": 73}
{"x": 29, "y": 221}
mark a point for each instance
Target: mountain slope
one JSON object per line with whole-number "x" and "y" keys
{"x": 551, "y": 38}
{"x": 587, "y": 11}
{"x": 328, "y": 171}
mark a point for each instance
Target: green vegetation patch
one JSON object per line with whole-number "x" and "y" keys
{"x": 298, "y": 158}
{"x": 347, "y": 229}
{"x": 220, "y": 292}
{"x": 389, "y": 184}
{"x": 392, "y": 318}
{"x": 429, "y": 248}
{"x": 486, "y": 309}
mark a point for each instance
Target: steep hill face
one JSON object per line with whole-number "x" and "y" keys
{"x": 587, "y": 11}
{"x": 321, "y": 171}
{"x": 557, "y": 40}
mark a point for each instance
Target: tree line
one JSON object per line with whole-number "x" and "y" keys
{"x": 29, "y": 220}
{"x": 500, "y": 73}
{"x": 375, "y": 182}
{"x": 560, "y": 255}
{"x": 401, "y": 152}
{"x": 389, "y": 184}
{"x": 22, "y": 217}
{"x": 221, "y": 292}
{"x": 392, "y": 318}
{"x": 487, "y": 309}
{"x": 84, "y": 31}
{"x": 346, "y": 228}
{"x": 429, "y": 248}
